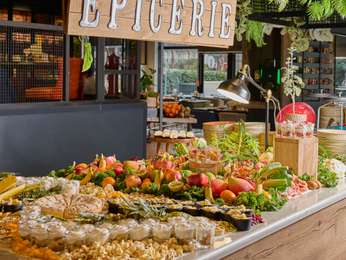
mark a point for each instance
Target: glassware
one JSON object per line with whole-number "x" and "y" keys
{"x": 162, "y": 232}
{"x": 139, "y": 232}
{"x": 184, "y": 232}
{"x": 205, "y": 233}
{"x": 119, "y": 233}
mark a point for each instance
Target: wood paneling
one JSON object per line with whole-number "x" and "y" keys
{"x": 321, "y": 236}
{"x": 126, "y": 18}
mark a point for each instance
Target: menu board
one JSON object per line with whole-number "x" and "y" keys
{"x": 195, "y": 22}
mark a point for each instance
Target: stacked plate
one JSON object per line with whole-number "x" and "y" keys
{"x": 334, "y": 140}
{"x": 254, "y": 128}
{"x": 330, "y": 115}
{"x": 216, "y": 130}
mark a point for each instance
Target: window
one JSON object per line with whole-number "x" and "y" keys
{"x": 180, "y": 67}
{"x": 340, "y": 64}
{"x": 122, "y": 68}
{"x": 217, "y": 68}
{"x": 215, "y": 71}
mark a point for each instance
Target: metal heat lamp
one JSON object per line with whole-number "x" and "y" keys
{"x": 237, "y": 90}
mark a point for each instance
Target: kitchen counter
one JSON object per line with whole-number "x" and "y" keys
{"x": 310, "y": 208}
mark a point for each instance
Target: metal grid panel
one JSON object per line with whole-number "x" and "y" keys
{"x": 31, "y": 63}
{"x": 262, "y": 6}
{"x": 262, "y": 11}
{"x": 334, "y": 20}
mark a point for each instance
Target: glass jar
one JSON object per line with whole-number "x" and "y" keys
{"x": 119, "y": 233}
{"x": 139, "y": 232}
{"x": 184, "y": 232}
{"x": 162, "y": 232}
{"x": 205, "y": 233}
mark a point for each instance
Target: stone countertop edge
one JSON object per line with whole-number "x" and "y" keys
{"x": 274, "y": 221}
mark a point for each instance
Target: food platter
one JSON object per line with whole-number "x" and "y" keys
{"x": 163, "y": 208}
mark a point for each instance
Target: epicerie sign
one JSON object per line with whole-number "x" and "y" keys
{"x": 197, "y": 22}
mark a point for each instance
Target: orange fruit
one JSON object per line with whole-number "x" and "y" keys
{"x": 146, "y": 182}
{"x": 108, "y": 180}
{"x": 228, "y": 196}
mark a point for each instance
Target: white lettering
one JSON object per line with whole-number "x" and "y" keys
{"x": 225, "y": 22}
{"x": 155, "y": 27}
{"x": 89, "y": 5}
{"x": 197, "y": 18}
{"x": 114, "y": 9}
{"x": 212, "y": 19}
{"x": 176, "y": 18}
{"x": 137, "y": 26}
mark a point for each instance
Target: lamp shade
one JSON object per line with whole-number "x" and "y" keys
{"x": 235, "y": 89}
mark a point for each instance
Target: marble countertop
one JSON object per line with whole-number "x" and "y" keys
{"x": 295, "y": 210}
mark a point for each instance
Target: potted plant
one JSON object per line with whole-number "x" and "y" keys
{"x": 147, "y": 87}
{"x": 292, "y": 84}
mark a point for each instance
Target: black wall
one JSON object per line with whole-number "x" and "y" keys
{"x": 35, "y": 139}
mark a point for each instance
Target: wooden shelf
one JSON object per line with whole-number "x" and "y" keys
{"x": 190, "y": 120}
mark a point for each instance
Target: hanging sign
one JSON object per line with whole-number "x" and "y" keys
{"x": 198, "y": 22}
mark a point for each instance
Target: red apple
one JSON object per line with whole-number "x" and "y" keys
{"x": 218, "y": 186}
{"x": 198, "y": 179}
{"x": 204, "y": 180}
{"x": 118, "y": 170}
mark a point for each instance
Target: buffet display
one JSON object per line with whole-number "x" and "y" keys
{"x": 162, "y": 208}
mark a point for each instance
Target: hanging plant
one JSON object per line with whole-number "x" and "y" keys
{"x": 317, "y": 10}
{"x": 281, "y": 4}
{"x": 300, "y": 38}
{"x": 292, "y": 84}
{"x": 253, "y": 30}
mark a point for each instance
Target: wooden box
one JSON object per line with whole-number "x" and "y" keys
{"x": 300, "y": 154}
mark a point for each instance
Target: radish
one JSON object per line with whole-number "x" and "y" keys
{"x": 118, "y": 170}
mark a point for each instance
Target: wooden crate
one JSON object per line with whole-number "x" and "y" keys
{"x": 300, "y": 154}
{"x": 261, "y": 140}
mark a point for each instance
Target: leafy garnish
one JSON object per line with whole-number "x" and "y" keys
{"x": 238, "y": 145}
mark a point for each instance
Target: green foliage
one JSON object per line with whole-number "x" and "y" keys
{"x": 305, "y": 177}
{"x": 253, "y": 30}
{"x": 326, "y": 177}
{"x": 339, "y": 6}
{"x": 147, "y": 79}
{"x": 259, "y": 202}
{"x": 178, "y": 76}
{"x": 317, "y": 10}
{"x": 281, "y": 4}
{"x": 238, "y": 145}
{"x": 291, "y": 83}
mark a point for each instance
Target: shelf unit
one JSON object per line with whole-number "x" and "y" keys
{"x": 31, "y": 62}
{"x": 316, "y": 67}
